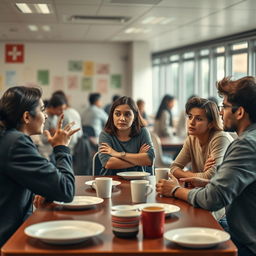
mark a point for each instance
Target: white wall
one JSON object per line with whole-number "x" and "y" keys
{"x": 141, "y": 73}
{"x": 55, "y": 58}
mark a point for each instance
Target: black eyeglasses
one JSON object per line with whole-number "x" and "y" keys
{"x": 222, "y": 107}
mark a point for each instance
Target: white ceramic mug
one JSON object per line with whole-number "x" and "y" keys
{"x": 140, "y": 189}
{"x": 103, "y": 186}
{"x": 161, "y": 173}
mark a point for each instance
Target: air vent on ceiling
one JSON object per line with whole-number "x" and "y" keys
{"x": 98, "y": 19}
{"x": 127, "y": 2}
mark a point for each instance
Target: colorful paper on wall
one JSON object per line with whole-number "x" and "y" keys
{"x": 103, "y": 69}
{"x": 86, "y": 84}
{"x": 43, "y": 77}
{"x": 58, "y": 83}
{"x": 116, "y": 81}
{"x": 88, "y": 68}
{"x": 10, "y": 78}
{"x": 75, "y": 65}
{"x": 1, "y": 83}
{"x": 102, "y": 85}
{"x": 72, "y": 82}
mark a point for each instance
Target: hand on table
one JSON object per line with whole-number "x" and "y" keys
{"x": 165, "y": 187}
{"x": 38, "y": 201}
{"x": 195, "y": 181}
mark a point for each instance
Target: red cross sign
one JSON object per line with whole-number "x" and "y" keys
{"x": 14, "y": 53}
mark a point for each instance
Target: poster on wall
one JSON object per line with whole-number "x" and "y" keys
{"x": 43, "y": 77}
{"x": 72, "y": 82}
{"x": 28, "y": 74}
{"x": 10, "y": 78}
{"x": 102, "y": 69}
{"x": 102, "y": 85}
{"x": 116, "y": 81}
{"x": 58, "y": 83}
{"x": 14, "y": 53}
{"x": 86, "y": 84}
{"x": 74, "y": 65}
{"x": 88, "y": 68}
{"x": 1, "y": 83}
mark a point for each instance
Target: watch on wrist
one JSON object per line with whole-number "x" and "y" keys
{"x": 123, "y": 154}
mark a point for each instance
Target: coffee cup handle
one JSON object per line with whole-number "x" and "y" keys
{"x": 149, "y": 189}
{"x": 94, "y": 185}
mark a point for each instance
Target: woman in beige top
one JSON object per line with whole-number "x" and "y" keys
{"x": 206, "y": 143}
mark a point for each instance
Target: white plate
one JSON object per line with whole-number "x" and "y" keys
{"x": 133, "y": 175}
{"x": 197, "y": 237}
{"x": 114, "y": 183}
{"x": 168, "y": 208}
{"x": 124, "y": 207}
{"x": 64, "y": 231}
{"x": 81, "y": 202}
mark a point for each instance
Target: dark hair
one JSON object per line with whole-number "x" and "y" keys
{"x": 93, "y": 97}
{"x": 140, "y": 102}
{"x": 241, "y": 92}
{"x": 137, "y": 123}
{"x": 61, "y": 94}
{"x": 14, "y": 102}
{"x": 211, "y": 110}
{"x": 115, "y": 97}
{"x": 163, "y": 105}
{"x": 56, "y": 101}
{"x": 214, "y": 99}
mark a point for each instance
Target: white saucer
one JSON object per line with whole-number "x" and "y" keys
{"x": 133, "y": 175}
{"x": 197, "y": 237}
{"x": 81, "y": 202}
{"x": 64, "y": 231}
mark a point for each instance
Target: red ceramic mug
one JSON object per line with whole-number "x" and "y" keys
{"x": 153, "y": 218}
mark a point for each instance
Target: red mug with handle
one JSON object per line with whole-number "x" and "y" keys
{"x": 153, "y": 218}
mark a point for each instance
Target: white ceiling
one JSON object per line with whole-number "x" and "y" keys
{"x": 192, "y": 21}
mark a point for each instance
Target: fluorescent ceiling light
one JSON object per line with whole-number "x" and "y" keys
{"x": 33, "y": 27}
{"x": 136, "y": 31}
{"x": 46, "y": 28}
{"x": 23, "y": 7}
{"x": 152, "y": 20}
{"x": 42, "y": 8}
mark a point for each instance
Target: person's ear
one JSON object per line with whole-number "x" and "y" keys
{"x": 26, "y": 117}
{"x": 240, "y": 113}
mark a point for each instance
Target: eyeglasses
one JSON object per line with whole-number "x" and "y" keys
{"x": 222, "y": 107}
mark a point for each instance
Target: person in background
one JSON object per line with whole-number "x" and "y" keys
{"x": 205, "y": 144}
{"x": 94, "y": 115}
{"x": 181, "y": 126}
{"x": 125, "y": 143}
{"x": 163, "y": 126}
{"x": 213, "y": 99}
{"x": 108, "y": 106}
{"x": 141, "y": 107}
{"x": 71, "y": 115}
{"x": 23, "y": 171}
{"x": 54, "y": 109}
{"x": 234, "y": 184}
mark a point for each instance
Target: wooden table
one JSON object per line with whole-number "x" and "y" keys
{"x": 106, "y": 243}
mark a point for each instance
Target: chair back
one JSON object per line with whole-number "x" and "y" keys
{"x": 96, "y": 164}
{"x": 159, "y": 162}
{"x": 89, "y": 131}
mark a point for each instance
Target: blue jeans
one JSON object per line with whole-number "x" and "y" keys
{"x": 242, "y": 250}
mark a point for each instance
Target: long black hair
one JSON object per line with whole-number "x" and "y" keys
{"x": 163, "y": 106}
{"x": 14, "y": 102}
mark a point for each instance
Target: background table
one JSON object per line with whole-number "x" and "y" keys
{"x": 106, "y": 243}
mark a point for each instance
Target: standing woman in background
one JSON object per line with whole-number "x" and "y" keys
{"x": 125, "y": 143}
{"x": 163, "y": 126}
{"x": 23, "y": 171}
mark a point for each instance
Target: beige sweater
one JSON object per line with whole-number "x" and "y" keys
{"x": 195, "y": 155}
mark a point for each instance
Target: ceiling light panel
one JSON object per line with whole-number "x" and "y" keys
{"x": 23, "y": 7}
{"x": 34, "y": 8}
{"x": 33, "y": 28}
